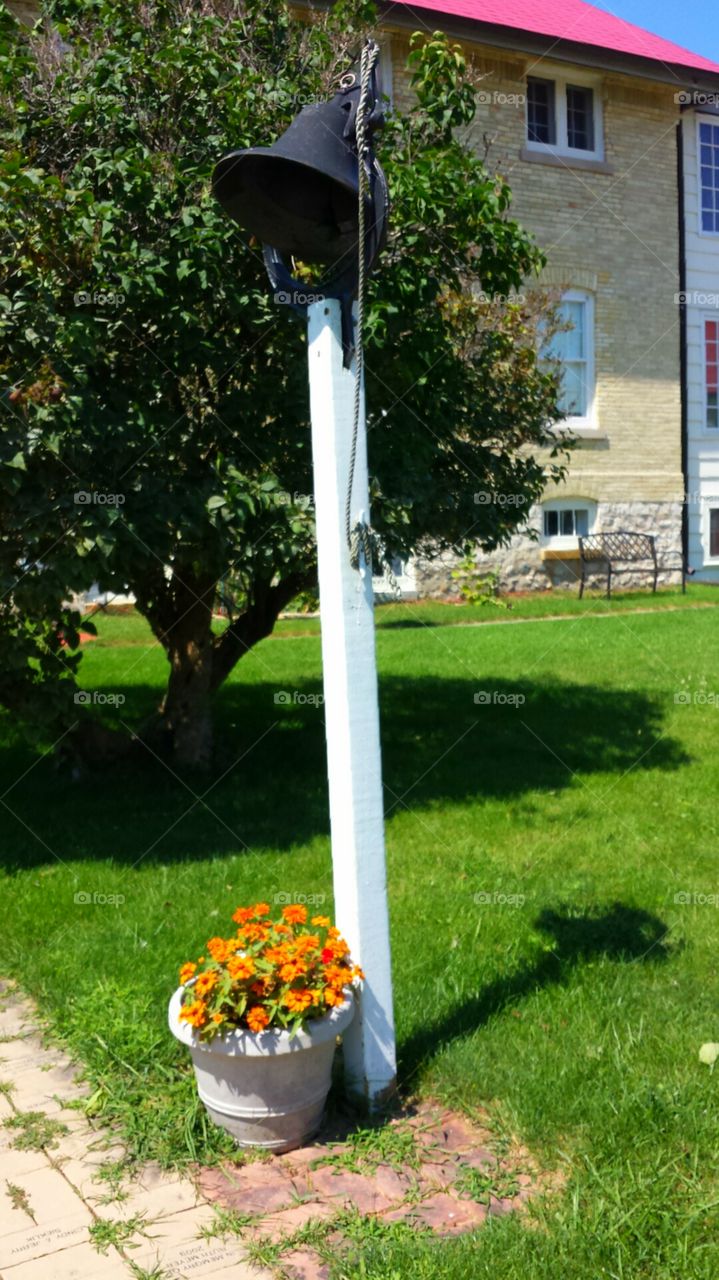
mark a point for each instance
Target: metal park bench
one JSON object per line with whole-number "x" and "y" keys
{"x": 622, "y": 552}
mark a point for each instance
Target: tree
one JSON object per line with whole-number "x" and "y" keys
{"x": 155, "y": 431}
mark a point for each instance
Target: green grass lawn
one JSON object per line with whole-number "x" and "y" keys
{"x": 568, "y": 1001}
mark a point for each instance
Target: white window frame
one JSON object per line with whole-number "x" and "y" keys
{"x": 708, "y": 507}
{"x": 714, "y": 120}
{"x": 587, "y": 421}
{"x": 712, "y": 433}
{"x": 561, "y": 77}
{"x": 567, "y": 541}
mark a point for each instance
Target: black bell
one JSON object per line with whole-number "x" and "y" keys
{"x": 301, "y": 195}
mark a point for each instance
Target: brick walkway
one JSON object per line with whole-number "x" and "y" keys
{"x": 69, "y": 1212}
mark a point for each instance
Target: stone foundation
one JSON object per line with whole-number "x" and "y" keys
{"x": 521, "y": 567}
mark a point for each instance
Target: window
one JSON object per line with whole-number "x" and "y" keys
{"x": 714, "y": 533}
{"x": 711, "y": 347}
{"x": 572, "y": 522}
{"x": 566, "y": 520}
{"x": 541, "y": 113}
{"x": 709, "y": 176}
{"x": 563, "y": 117}
{"x": 573, "y": 347}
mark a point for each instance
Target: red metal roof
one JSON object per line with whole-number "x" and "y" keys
{"x": 572, "y": 20}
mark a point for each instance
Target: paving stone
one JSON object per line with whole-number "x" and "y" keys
{"x": 447, "y": 1215}
{"x": 304, "y": 1264}
{"x": 94, "y": 1147}
{"x": 17, "y": 1016}
{"x": 28, "y": 1053}
{"x": 40, "y": 1241}
{"x": 255, "y": 1189}
{"x": 15, "y": 1164}
{"x": 356, "y": 1190}
{"x": 49, "y": 1198}
{"x": 82, "y": 1262}
{"x": 175, "y": 1247}
{"x": 280, "y": 1225}
{"x": 36, "y": 1090}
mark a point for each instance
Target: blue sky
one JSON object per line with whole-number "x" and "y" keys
{"x": 693, "y": 24}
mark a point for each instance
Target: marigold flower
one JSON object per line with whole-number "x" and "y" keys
{"x": 357, "y": 972}
{"x": 310, "y": 942}
{"x": 240, "y": 967}
{"x": 256, "y": 932}
{"x": 217, "y": 1017}
{"x": 282, "y": 928}
{"x": 295, "y": 914}
{"x": 260, "y": 909}
{"x": 187, "y": 971}
{"x": 243, "y": 914}
{"x": 322, "y": 922}
{"x": 277, "y": 955}
{"x": 293, "y": 969}
{"x": 257, "y": 1018}
{"x": 298, "y": 1001}
{"x": 195, "y": 1013}
{"x": 336, "y": 976}
{"x": 220, "y": 949}
{"x": 333, "y": 997}
{"x": 206, "y": 982}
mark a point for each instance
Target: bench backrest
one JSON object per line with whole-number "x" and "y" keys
{"x": 620, "y": 545}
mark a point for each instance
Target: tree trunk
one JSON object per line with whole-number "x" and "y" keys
{"x": 199, "y": 662}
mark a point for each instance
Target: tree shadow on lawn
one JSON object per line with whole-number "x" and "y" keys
{"x": 269, "y": 788}
{"x": 620, "y": 933}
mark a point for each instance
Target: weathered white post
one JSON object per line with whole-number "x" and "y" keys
{"x": 351, "y": 707}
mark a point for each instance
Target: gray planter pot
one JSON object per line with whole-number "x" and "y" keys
{"x": 267, "y": 1089}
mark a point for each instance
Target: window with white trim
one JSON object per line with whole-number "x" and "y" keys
{"x": 566, "y": 520}
{"x": 564, "y": 116}
{"x": 709, "y": 176}
{"x": 711, "y": 367}
{"x": 573, "y": 347}
{"x": 712, "y": 534}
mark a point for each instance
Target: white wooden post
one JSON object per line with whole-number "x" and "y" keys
{"x": 351, "y": 708}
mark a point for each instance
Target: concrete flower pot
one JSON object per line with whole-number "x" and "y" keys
{"x": 267, "y": 1089}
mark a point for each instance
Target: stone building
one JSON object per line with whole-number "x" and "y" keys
{"x": 581, "y": 112}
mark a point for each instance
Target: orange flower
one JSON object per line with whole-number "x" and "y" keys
{"x": 220, "y": 950}
{"x": 195, "y": 1013}
{"x": 277, "y": 955}
{"x": 336, "y": 977}
{"x": 295, "y": 915}
{"x": 242, "y": 915}
{"x": 205, "y": 983}
{"x": 187, "y": 971}
{"x": 339, "y": 948}
{"x": 256, "y": 932}
{"x": 257, "y": 1018}
{"x": 240, "y": 967}
{"x": 333, "y": 997}
{"x": 282, "y": 928}
{"x": 357, "y": 972}
{"x": 293, "y": 969}
{"x": 298, "y": 1001}
{"x": 310, "y": 942}
{"x": 260, "y": 909}
{"x": 217, "y": 1017}
{"x": 322, "y": 922}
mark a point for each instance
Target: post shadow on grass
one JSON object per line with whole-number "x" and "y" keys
{"x": 618, "y": 932}
{"x": 269, "y": 786}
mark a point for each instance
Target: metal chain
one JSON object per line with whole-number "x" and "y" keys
{"x": 362, "y": 541}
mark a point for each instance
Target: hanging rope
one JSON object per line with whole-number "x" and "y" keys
{"x": 363, "y": 543}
